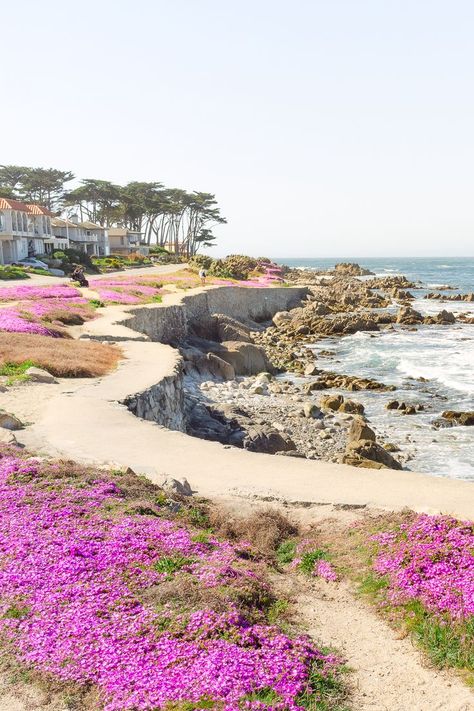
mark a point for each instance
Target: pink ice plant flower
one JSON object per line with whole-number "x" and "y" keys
{"x": 71, "y": 576}
{"x": 12, "y": 321}
{"x": 430, "y": 559}
{"x": 19, "y": 293}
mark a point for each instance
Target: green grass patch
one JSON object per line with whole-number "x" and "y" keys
{"x": 276, "y": 611}
{"x": 16, "y": 612}
{"x": 309, "y": 558}
{"x": 16, "y": 372}
{"x": 171, "y": 564}
{"x": 96, "y": 303}
{"x": 326, "y": 692}
{"x": 265, "y": 696}
{"x": 286, "y": 552}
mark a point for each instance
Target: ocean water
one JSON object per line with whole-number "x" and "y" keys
{"x": 442, "y": 355}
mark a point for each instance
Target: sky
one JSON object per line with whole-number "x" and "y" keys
{"x": 324, "y": 128}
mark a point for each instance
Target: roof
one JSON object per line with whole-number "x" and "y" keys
{"x": 61, "y": 222}
{"x": 7, "y": 204}
{"x": 39, "y": 210}
{"x": 91, "y": 226}
{"x": 122, "y": 231}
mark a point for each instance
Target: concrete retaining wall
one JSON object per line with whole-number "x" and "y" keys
{"x": 163, "y": 402}
{"x": 171, "y": 324}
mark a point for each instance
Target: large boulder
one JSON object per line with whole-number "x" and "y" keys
{"x": 177, "y": 486}
{"x": 352, "y": 407}
{"x": 281, "y": 318}
{"x": 267, "y": 440}
{"x": 218, "y": 367}
{"x": 229, "y": 329}
{"x": 331, "y": 402}
{"x": 359, "y": 429}
{"x": 444, "y": 318}
{"x": 409, "y": 317}
{"x": 360, "y": 451}
{"x": 245, "y": 358}
{"x": 459, "y": 418}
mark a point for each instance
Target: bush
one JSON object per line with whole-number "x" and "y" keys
{"x": 201, "y": 261}
{"x": 235, "y": 266}
{"x": 10, "y": 272}
{"x": 73, "y": 256}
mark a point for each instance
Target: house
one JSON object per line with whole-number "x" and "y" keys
{"x": 123, "y": 241}
{"x": 24, "y": 230}
{"x": 85, "y": 237}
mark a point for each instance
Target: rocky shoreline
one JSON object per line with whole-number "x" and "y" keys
{"x": 259, "y": 387}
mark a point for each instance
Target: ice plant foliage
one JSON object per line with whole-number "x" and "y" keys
{"x": 13, "y": 321}
{"x": 74, "y": 578}
{"x": 127, "y": 290}
{"x": 431, "y": 560}
{"x": 20, "y": 293}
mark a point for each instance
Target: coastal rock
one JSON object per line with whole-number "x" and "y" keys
{"x": 266, "y": 440}
{"x": 459, "y": 418}
{"x": 359, "y": 429}
{"x": 444, "y": 318}
{"x": 229, "y": 329}
{"x": 352, "y": 407}
{"x": 363, "y": 450}
{"x": 245, "y": 358}
{"x": 39, "y": 375}
{"x": 9, "y": 421}
{"x": 219, "y": 367}
{"x": 311, "y": 410}
{"x": 311, "y": 369}
{"x": 409, "y": 317}
{"x": 352, "y": 269}
{"x": 331, "y": 402}
{"x": 282, "y": 317}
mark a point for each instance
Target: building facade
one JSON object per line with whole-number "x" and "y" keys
{"x": 86, "y": 237}
{"x": 24, "y": 230}
{"x": 123, "y": 241}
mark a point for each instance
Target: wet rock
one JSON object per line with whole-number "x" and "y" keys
{"x": 444, "y": 318}
{"x": 392, "y": 405}
{"x": 409, "y": 317}
{"x": 352, "y": 269}
{"x": 459, "y": 418}
{"x": 311, "y": 369}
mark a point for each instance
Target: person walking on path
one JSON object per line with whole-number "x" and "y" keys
{"x": 202, "y": 276}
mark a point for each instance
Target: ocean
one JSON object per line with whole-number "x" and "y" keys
{"x": 442, "y": 355}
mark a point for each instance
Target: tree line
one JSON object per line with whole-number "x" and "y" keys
{"x": 182, "y": 221}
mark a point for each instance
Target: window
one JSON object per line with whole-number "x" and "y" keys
{"x": 2, "y": 221}
{"x": 25, "y": 223}
{"x": 14, "y": 222}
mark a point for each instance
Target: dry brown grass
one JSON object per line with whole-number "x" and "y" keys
{"x": 64, "y": 358}
{"x": 265, "y": 530}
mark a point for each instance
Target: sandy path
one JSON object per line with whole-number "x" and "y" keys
{"x": 388, "y": 673}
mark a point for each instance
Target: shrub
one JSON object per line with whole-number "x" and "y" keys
{"x": 8, "y": 272}
{"x": 200, "y": 261}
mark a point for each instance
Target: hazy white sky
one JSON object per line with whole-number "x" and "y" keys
{"x": 325, "y": 128}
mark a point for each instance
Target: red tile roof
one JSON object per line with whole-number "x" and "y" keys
{"x": 39, "y": 210}
{"x": 8, "y": 204}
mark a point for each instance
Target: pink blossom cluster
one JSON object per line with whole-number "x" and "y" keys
{"x": 12, "y": 321}
{"x": 32, "y": 316}
{"x": 272, "y": 274}
{"x": 73, "y": 578}
{"x": 131, "y": 290}
{"x": 430, "y": 559}
{"x": 20, "y": 293}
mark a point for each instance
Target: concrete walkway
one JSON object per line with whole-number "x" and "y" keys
{"x": 87, "y": 424}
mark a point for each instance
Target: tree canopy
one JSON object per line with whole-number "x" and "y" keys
{"x": 173, "y": 218}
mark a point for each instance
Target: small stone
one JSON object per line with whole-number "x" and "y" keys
{"x": 177, "y": 486}
{"x": 39, "y": 375}
{"x": 9, "y": 421}
{"x": 310, "y": 410}
{"x": 311, "y": 369}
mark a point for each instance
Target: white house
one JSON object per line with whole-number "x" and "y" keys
{"x": 85, "y": 237}
{"x": 124, "y": 241}
{"x": 24, "y": 230}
